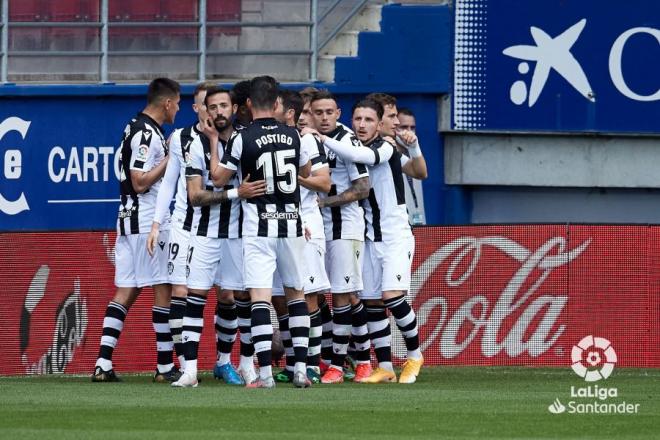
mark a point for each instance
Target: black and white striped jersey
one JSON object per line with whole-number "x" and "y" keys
{"x": 219, "y": 220}
{"x": 347, "y": 221}
{"x": 385, "y": 210}
{"x": 142, "y": 148}
{"x": 268, "y": 150}
{"x": 175, "y": 178}
{"x": 312, "y": 217}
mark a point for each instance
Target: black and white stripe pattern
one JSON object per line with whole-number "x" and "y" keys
{"x": 285, "y": 336}
{"x": 341, "y": 331}
{"x": 193, "y": 322}
{"x": 143, "y": 140}
{"x": 360, "y": 332}
{"x": 177, "y": 310}
{"x": 113, "y": 324}
{"x": 164, "y": 344}
{"x": 405, "y": 319}
{"x": 299, "y": 329}
{"x": 271, "y": 220}
{"x": 346, "y": 221}
{"x": 326, "y": 328}
{"x": 226, "y": 327}
{"x": 262, "y": 333}
{"x": 244, "y": 313}
{"x": 385, "y": 209}
{"x": 315, "y": 332}
{"x": 218, "y": 220}
{"x": 380, "y": 333}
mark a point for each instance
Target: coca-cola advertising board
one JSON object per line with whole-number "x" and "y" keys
{"x": 484, "y": 295}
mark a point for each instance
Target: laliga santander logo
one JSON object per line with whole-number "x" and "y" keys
{"x": 595, "y": 352}
{"x": 478, "y": 311}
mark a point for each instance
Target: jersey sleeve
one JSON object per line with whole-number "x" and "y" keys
{"x": 404, "y": 159}
{"x": 144, "y": 145}
{"x": 355, "y": 152}
{"x": 231, "y": 158}
{"x": 195, "y": 159}
{"x": 167, "y": 189}
{"x": 316, "y": 152}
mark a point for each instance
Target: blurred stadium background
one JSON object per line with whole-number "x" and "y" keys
{"x": 541, "y": 198}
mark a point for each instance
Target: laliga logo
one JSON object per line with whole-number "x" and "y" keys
{"x": 13, "y": 165}
{"x": 590, "y": 349}
{"x": 555, "y": 54}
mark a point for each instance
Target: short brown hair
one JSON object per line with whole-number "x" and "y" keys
{"x": 383, "y": 98}
{"x": 307, "y": 93}
{"x": 203, "y": 87}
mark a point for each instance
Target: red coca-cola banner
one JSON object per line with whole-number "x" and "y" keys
{"x": 484, "y": 295}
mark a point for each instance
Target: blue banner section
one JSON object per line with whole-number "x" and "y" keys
{"x": 550, "y": 65}
{"x": 58, "y": 152}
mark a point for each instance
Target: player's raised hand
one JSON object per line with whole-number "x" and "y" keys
{"x": 152, "y": 239}
{"x": 407, "y": 138}
{"x": 248, "y": 190}
{"x": 208, "y": 128}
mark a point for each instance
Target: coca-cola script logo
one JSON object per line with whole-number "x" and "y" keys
{"x": 70, "y": 325}
{"x": 462, "y": 258}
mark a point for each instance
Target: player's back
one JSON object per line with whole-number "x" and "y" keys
{"x": 271, "y": 152}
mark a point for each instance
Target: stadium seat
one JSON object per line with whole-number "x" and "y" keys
{"x": 27, "y": 10}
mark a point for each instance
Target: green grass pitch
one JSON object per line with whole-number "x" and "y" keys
{"x": 456, "y": 403}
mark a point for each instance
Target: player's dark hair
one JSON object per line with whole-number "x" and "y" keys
{"x": 307, "y": 93}
{"x": 383, "y": 98}
{"x": 202, "y": 87}
{"x": 406, "y": 111}
{"x": 214, "y": 91}
{"x": 263, "y": 92}
{"x": 162, "y": 88}
{"x": 322, "y": 94}
{"x": 240, "y": 92}
{"x": 369, "y": 103}
{"x": 292, "y": 100}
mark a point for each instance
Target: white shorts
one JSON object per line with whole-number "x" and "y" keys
{"x": 262, "y": 255}
{"x": 134, "y": 267}
{"x": 203, "y": 262}
{"x": 230, "y": 275}
{"x": 387, "y": 266}
{"x": 176, "y": 264}
{"x": 343, "y": 261}
{"x": 316, "y": 278}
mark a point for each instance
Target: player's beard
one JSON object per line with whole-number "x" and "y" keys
{"x": 221, "y": 123}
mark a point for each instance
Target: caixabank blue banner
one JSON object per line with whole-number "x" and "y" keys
{"x": 557, "y": 65}
{"x": 59, "y": 151}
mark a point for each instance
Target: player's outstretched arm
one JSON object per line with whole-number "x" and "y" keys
{"x": 319, "y": 181}
{"x": 364, "y": 156}
{"x": 359, "y": 190}
{"x": 416, "y": 166}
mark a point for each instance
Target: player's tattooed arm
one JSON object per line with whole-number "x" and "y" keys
{"x": 359, "y": 190}
{"x": 201, "y": 197}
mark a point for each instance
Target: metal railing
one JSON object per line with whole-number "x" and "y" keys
{"x": 202, "y": 26}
